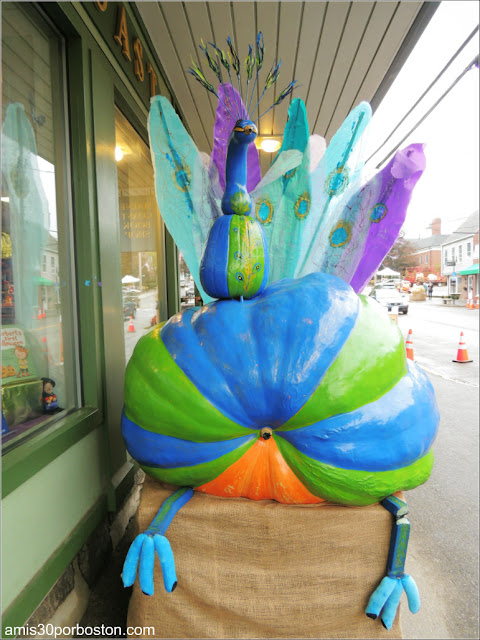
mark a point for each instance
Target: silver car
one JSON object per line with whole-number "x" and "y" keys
{"x": 391, "y": 299}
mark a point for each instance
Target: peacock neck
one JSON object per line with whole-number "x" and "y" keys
{"x": 236, "y": 165}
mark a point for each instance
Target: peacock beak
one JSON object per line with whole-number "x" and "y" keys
{"x": 247, "y": 130}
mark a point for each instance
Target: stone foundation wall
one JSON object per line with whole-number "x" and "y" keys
{"x": 67, "y": 602}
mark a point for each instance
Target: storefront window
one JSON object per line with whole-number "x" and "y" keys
{"x": 38, "y": 355}
{"x": 188, "y": 292}
{"x": 139, "y": 221}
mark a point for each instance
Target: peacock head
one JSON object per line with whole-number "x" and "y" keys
{"x": 244, "y": 132}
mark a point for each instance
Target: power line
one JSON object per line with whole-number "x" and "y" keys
{"x": 473, "y": 64}
{"x": 426, "y": 90}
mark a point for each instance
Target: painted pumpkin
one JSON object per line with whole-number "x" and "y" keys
{"x": 299, "y": 395}
{"x": 235, "y": 260}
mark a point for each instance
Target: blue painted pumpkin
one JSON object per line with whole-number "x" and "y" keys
{"x": 301, "y": 394}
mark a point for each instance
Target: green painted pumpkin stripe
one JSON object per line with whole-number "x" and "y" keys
{"x": 199, "y": 474}
{"x": 351, "y": 486}
{"x": 366, "y": 368}
{"x": 160, "y": 397}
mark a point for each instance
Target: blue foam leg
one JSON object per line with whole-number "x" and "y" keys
{"x": 390, "y": 609}
{"x": 131, "y": 561}
{"x": 142, "y": 549}
{"x": 413, "y": 595}
{"x": 386, "y": 596}
{"x": 380, "y": 596}
{"x": 147, "y": 561}
{"x": 165, "y": 555}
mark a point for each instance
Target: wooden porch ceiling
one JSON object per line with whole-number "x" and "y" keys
{"x": 340, "y": 52}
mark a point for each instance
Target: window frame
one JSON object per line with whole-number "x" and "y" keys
{"x": 85, "y": 50}
{"x": 65, "y": 223}
{"x": 56, "y": 435}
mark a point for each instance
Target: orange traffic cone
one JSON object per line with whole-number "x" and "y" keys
{"x": 409, "y": 345}
{"x": 462, "y": 355}
{"x": 39, "y": 316}
{"x": 131, "y": 326}
{"x": 44, "y": 315}
{"x": 476, "y": 304}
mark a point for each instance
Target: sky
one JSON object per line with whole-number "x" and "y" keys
{"x": 449, "y": 186}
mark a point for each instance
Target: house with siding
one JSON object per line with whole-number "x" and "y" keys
{"x": 460, "y": 258}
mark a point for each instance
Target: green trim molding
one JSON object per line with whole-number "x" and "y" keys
{"x": 27, "y": 459}
{"x": 32, "y": 595}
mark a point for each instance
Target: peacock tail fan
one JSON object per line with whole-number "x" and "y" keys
{"x": 335, "y": 178}
{"x": 224, "y": 124}
{"x": 387, "y": 214}
{"x": 298, "y": 197}
{"x": 185, "y": 198}
{"x": 296, "y": 133}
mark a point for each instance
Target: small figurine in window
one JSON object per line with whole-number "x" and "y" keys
{"x": 21, "y": 353}
{"x": 49, "y": 399}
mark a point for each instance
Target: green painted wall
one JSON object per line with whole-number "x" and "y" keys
{"x": 40, "y": 513}
{"x": 58, "y": 485}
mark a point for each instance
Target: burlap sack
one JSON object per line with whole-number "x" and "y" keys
{"x": 251, "y": 569}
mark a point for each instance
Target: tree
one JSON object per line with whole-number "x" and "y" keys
{"x": 400, "y": 257}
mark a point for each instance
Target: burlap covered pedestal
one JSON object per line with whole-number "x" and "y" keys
{"x": 251, "y": 569}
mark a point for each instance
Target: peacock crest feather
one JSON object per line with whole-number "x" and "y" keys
{"x": 230, "y": 61}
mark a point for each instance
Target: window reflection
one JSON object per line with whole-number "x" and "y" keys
{"x": 37, "y": 376}
{"x": 139, "y": 218}
{"x": 189, "y": 296}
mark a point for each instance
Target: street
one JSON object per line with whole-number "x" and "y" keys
{"x": 436, "y": 333}
{"x": 141, "y": 323}
{"x": 443, "y": 547}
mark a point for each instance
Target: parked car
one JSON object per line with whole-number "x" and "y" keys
{"x": 133, "y": 295}
{"x": 391, "y": 299}
{"x": 129, "y": 308}
{"x": 384, "y": 285}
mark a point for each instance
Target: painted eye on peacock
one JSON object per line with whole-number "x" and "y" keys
{"x": 239, "y": 277}
{"x": 238, "y": 255}
{"x": 257, "y": 267}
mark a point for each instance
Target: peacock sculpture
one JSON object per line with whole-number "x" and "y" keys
{"x": 287, "y": 384}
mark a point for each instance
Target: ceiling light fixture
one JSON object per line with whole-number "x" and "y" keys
{"x": 269, "y": 144}
{"x": 118, "y": 154}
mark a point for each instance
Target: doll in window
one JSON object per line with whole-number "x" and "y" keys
{"x": 49, "y": 399}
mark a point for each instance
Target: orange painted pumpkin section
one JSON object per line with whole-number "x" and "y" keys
{"x": 261, "y": 474}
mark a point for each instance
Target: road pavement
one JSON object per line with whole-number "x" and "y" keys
{"x": 436, "y": 334}
{"x": 443, "y": 549}
{"x": 141, "y": 322}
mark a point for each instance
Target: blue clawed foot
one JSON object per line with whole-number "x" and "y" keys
{"x": 142, "y": 551}
{"x": 386, "y": 598}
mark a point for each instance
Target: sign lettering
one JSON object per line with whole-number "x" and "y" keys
{"x": 138, "y": 63}
{"x": 12, "y": 337}
{"x": 121, "y": 35}
{"x": 153, "y": 79}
